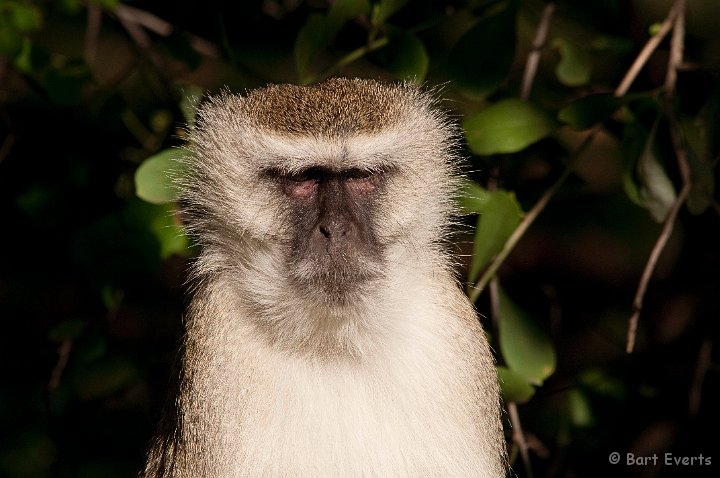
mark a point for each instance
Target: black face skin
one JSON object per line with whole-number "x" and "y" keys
{"x": 333, "y": 246}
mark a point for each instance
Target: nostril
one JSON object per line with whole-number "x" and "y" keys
{"x": 333, "y": 230}
{"x": 325, "y": 231}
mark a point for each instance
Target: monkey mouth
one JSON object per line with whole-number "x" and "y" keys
{"x": 335, "y": 272}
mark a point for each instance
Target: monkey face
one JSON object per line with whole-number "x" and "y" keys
{"x": 333, "y": 246}
{"x": 320, "y": 190}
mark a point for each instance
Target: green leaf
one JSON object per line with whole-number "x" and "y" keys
{"x": 104, "y": 378}
{"x": 524, "y": 346}
{"x": 169, "y": 232}
{"x": 32, "y": 59}
{"x": 698, "y": 134}
{"x": 70, "y": 7}
{"x": 64, "y": 86}
{"x": 500, "y": 215}
{"x": 654, "y": 28}
{"x": 343, "y": 10}
{"x": 575, "y": 65}
{"x": 319, "y": 30}
{"x": 508, "y": 126}
{"x": 311, "y": 38}
{"x": 600, "y": 382}
{"x": 26, "y": 17}
{"x": 29, "y": 452}
{"x": 513, "y": 386}
{"x": 112, "y": 297}
{"x": 645, "y": 180}
{"x": 153, "y": 179}
{"x": 23, "y": 61}
{"x": 189, "y": 102}
{"x": 473, "y": 198}
{"x": 10, "y": 40}
{"x": 163, "y": 222}
{"x": 107, "y": 4}
{"x": 385, "y": 9}
{"x": 408, "y": 58}
{"x": 589, "y": 110}
{"x": 579, "y": 408}
{"x": 481, "y": 60}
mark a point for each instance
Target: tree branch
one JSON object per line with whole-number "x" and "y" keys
{"x": 94, "y": 21}
{"x": 533, "y": 58}
{"x": 647, "y": 51}
{"x": 701, "y": 368}
{"x": 528, "y": 219}
{"x": 134, "y": 16}
{"x": 540, "y": 205}
{"x": 676, "y": 57}
{"x": 518, "y": 437}
{"x": 349, "y": 58}
{"x": 63, "y": 357}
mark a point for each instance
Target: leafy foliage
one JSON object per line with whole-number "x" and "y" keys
{"x": 575, "y": 66}
{"x": 507, "y": 126}
{"x": 96, "y": 97}
{"x": 153, "y": 178}
{"x": 481, "y": 59}
{"x": 498, "y": 215}
{"x": 525, "y": 348}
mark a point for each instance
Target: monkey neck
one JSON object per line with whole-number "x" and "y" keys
{"x": 407, "y": 372}
{"x": 261, "y": 303}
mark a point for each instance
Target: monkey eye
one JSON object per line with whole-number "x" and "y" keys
{"x": 301, "y": 184}
{"x": 363, "y": 181}
{"x": 360, "y": 173}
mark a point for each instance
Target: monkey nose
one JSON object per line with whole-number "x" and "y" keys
{"x": 333, "y": 230}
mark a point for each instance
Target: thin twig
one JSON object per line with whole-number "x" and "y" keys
{"x": 349, "y": 58}
{"x": 703, "y": 363}
{"x": 145, "y": 19}
{"x": 677, "y": 48}
{"x": 676, "y": 56}
{"x": 372, "y": 44}
{"x": 650, "y": 266}
{"x": 533, "y": 59}
{"x": 519, "y": 437}
{"x": 494, "y": 289}
{"x": 63, "y": 357}
{"x": 94, "y": 21}
{"x": 647, "y": 51}
{"x": 533, "y": 213}
{"x": 528, "y": 219}
{"x": 135, "y": 16}
{"x": 141, "y": 39}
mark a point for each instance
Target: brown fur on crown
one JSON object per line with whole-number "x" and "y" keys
{"x": 338, "y": 106}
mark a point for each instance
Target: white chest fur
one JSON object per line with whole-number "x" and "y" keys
{"x": 411, "y": 410}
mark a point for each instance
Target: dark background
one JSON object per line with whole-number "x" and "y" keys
{"x": 92, "y": 287}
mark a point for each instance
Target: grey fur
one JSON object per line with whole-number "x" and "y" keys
{"x": 394, "y": 380}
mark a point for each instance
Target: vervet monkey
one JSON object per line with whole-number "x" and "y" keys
{"x": 328, "y": 336}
